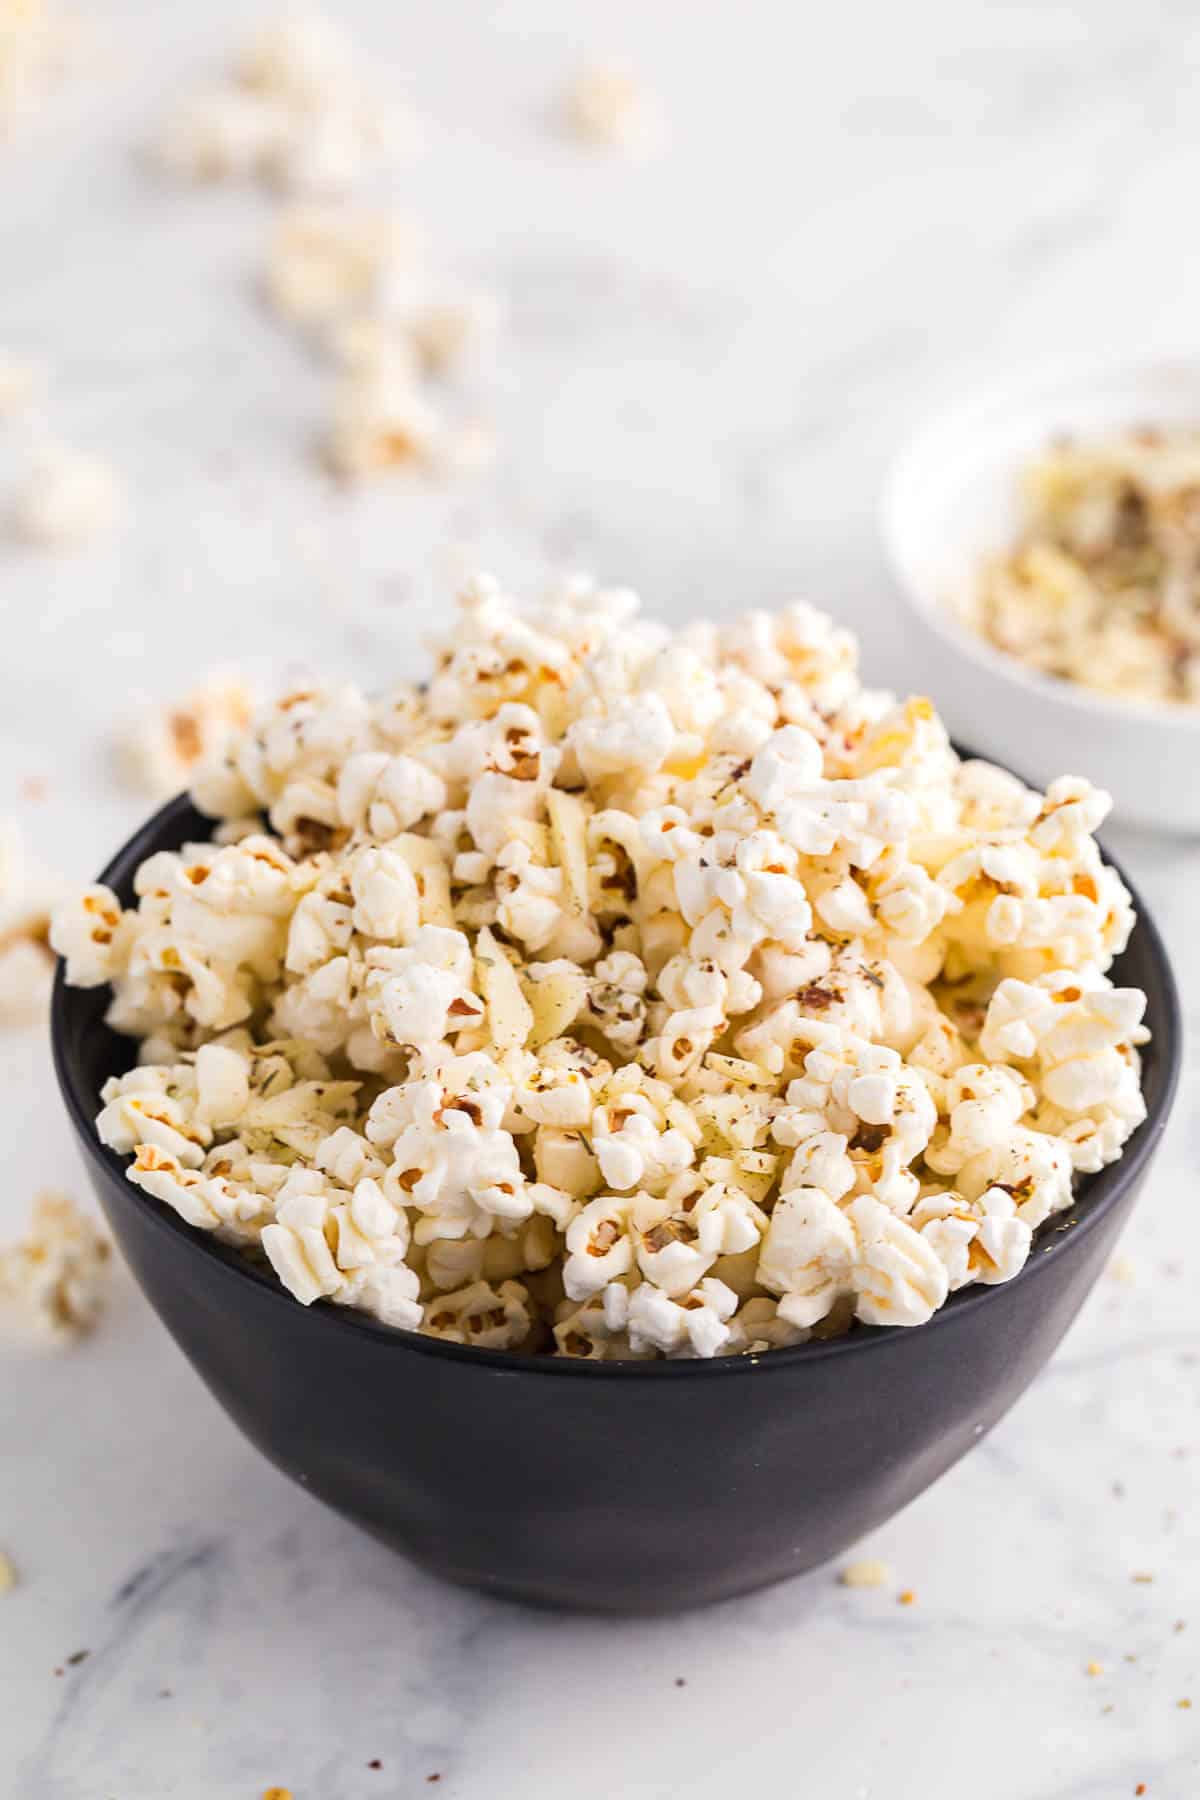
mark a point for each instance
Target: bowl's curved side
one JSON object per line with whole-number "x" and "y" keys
{"x": 607, "y": 1495}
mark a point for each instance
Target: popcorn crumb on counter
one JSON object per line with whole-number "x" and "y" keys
{"x": 33, "y": 41}
{"x": 1094, "y": 1668}
{"x": 59, "y": 1273}
{"x": 1123, "y": 1269}
{"x": 608, "y": 107}
{"x": 296, "y": 111}
{"x": 1101, "y": 587}
{"x": 160, "y": 746}
{"x": 19, "y": 382}
{"x": 26, "y": 959}
{"x": 619, "y": 993}
{"x": 8, "y": 1573}
{"x": 865, "y": 1574}
{"x": 67, "y": 498}
{"x": 325, "y": 260}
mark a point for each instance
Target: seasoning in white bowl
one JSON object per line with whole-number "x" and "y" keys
{"x": 1102, "y": 586}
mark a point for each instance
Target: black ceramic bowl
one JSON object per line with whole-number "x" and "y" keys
{"x": 635, "y": 1487}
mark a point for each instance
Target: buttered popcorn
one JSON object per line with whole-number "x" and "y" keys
{"x": 620, "y": 994}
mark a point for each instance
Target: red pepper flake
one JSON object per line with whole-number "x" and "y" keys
{"x": 1140, "y": 1788}
{"x": 679, "y": 1681}
{"x": 433, "y": 1778}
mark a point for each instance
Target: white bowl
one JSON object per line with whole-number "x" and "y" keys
{"x": 949, "y": 501}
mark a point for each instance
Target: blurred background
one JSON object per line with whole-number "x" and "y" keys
{"x": 707, "y": 355}
{"x": 710, "y": 344}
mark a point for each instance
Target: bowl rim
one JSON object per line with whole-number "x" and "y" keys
{"x": 1102, "y": 1191}
{"x": 986, "y": 405}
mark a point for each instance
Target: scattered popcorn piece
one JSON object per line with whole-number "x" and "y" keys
{"x": 33, "y": 42}
{"x": 26, "y": 958}
{"x": 608, "y": 107}
{"x": 297, "y": 114}
{"x": 58, "y": 1274}
{"x": 865, "y": 1574}
{"x": 161, "y": 747}
{"x": 19, "y": 380}
{"x": 383, "y": 420}
{"x": 66, "y": 499}
{"x": 616, "y": 994}
{"x": 326, "y": 260}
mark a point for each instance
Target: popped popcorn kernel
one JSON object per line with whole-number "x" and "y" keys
{"x": 295, "y": 112}
{"x": 616, "y": 994}
{"x": 66, "y": 499}
{"x": 608, "y": 107}
{"x": 866, "y": 1573}
{"x": 58, "y": 1274}
{"x": 19, "y": 379}
{"x": 162, "y": 746}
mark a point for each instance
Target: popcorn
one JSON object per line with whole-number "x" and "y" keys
{"x": 18, "y": 378}
{"x": 67, "y": 498}
{"x": 33, "y": 39}
{"x": 325, "y": 260}
{"x": 695, "y": 1324}
{"x": 26, "y": 959}
{"x": 490, "y": 1318}
{"x": 162, "y": 747}
{"x": 617, "y": 995}
{"x": 607, "y": 107}
{"x": 59, "y": 1273}
{"x": 297, "y": 114}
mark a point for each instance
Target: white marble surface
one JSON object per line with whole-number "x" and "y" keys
{"x": 710, "y": 357}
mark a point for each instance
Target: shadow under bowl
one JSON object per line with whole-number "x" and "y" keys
{"x": 615, "y": 1487}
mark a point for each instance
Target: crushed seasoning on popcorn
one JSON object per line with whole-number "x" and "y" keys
{"x": 620, "y": 993}
{"x": 58, "y": 1274}
{"x": 1103, "y": 584}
